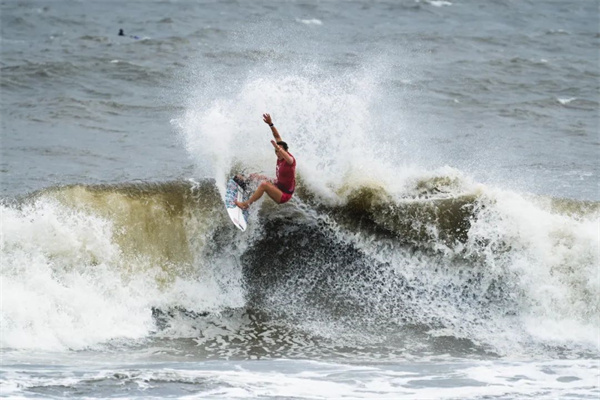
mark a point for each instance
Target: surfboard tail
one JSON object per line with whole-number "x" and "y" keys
{"x": 238, "y": 216}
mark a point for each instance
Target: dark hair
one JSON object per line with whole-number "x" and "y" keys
{"x": 284, "y": 145}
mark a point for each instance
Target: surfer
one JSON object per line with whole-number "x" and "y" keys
{"x": 122, "y": 33}
{"x": 282, "y": 188}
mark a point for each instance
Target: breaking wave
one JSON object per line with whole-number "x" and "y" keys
{"x": 370, "y": 252}
{"x": 84, "y": 265}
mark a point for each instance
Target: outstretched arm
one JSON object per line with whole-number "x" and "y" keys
{"x": 279, "y": 150}
{"x": 269, "y": 121}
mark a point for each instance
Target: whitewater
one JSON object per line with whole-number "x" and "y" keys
{"x": 423, "y": 255}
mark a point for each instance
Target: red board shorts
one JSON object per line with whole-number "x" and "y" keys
{"x": 285, "y": 197}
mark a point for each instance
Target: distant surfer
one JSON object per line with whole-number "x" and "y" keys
{"x": 282, "y": 188}
{"x": 122, "y": 33}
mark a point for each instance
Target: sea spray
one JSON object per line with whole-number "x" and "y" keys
{"x": 326, "y": 120}
{"x": 380, "y": 241}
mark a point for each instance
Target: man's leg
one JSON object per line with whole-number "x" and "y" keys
{"x": 265, "y": 186}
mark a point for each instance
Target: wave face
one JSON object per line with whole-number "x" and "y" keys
{"x": 449, "y": 264}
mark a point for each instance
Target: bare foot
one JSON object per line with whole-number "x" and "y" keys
{"x": 243, "y": 206}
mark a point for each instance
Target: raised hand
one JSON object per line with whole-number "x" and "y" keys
{"x": 267, "y": 119}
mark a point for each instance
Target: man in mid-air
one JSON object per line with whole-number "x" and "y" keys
{"x": 282, "y": 188}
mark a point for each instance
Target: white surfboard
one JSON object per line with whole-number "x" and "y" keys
{"x": 238, "y": 216}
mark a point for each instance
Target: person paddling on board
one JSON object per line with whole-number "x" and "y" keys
{"x": 282, "y": 189}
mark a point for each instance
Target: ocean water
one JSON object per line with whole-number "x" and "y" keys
{"x": 443, "y": 241}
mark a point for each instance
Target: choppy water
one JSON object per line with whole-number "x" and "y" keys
{"x": 443, "y": 241}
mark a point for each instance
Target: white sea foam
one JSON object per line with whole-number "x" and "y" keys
{"x": 565, "y": 101}
{"x": 440, "y": 378}
{"x": 312, "y": 21}
{"x": 438, "y": 3}
{"x": 68, "y": 284}
{"x": 552, "y": 259}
